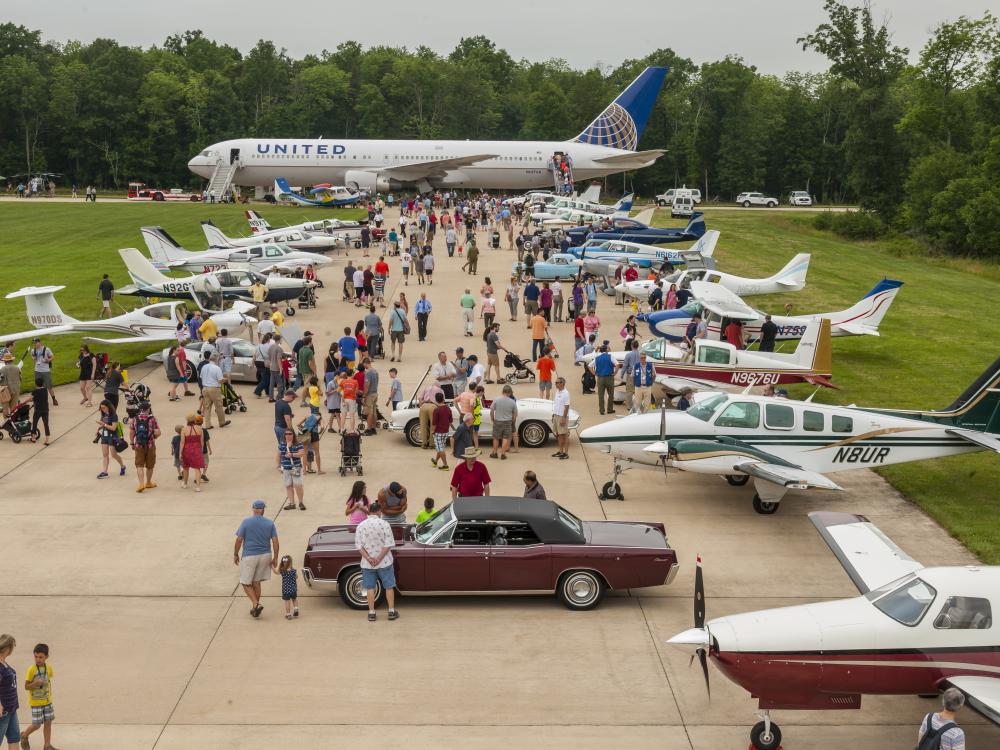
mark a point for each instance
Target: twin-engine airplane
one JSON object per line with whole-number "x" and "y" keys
{"x": 913, "y": 631}
{"x": 791, "y": 278}
{"x": 634, "y": 230}
{"x": 343, "y": 230}
{"x": 208, "y": 290}
{"x": 144, "y": 324}
{"x": 571, "y": 212}
{"x": 168, "y": 255}
{"x": 783, "y": 444}
{"x": 293, "y": 238}
{"x": 323, "y": 196}
{"x": 718, "y": 303}
{"x": 602, "y": 257}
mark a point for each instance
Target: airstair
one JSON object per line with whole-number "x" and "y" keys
{"x": 561, "y": 165}
{"x": 221, "y": 181}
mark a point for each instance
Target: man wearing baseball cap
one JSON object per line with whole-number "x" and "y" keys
{"x": 258, "y": 537}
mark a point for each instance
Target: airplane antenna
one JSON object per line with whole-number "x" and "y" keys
{"x": 808, "y": 400}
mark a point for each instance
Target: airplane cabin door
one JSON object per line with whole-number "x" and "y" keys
{"x": 234, "y": 155}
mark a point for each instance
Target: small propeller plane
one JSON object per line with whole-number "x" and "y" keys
{"x": 783, "y": 444}
{"x": 791, "y": 278}
{"x": 717, "y": 302}
{"x": 602, "y": 257}
{"x": 168, "y": 255}
{"x": 323, "y": 196}
{"x": 343, "y": 230}
{"x": 569, "y": 212}
{"x": 144, "y": 324}
{"x": 638, "y": 230}
{"x": 292, "y": 238}
{"x": 207, "y": 289}
{"x": 912, "y": 631}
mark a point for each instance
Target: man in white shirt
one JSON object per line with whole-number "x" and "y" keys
{"x": 211, "y": 391}
{"x": 359, "y": 287}
{"x": 478, "y": 373}
{"x": 560, "y": 418}
{"x": 224, "y": 344}
{"x": 444, "y": 373}
{"x": 266, "y": 326}
{"x": 374, "y": 540}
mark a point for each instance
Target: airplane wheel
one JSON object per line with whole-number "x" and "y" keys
{"x": 290, "y": 311}
{"x": 612, "y": 491}
{"x": 765, "y": 509}
{"x": 737, "y": 480}
{"x": 762, "y": 741}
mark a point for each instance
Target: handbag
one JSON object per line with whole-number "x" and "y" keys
{"x": 120, "y": 444}
{"x": 406, "y": 323}
{"x": 4, "y": 394}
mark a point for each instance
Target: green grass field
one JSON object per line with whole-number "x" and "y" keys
{"x": 935, "y": 340}
{"x": 75, "y": 243}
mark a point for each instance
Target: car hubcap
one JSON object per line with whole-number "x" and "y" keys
{"x": 534, "y": 435}
{"x": 356, "y": 591}
{"x": 581, "y": 589}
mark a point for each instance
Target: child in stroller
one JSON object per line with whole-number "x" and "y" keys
{"x": 521, "y": 369}
{"x": 18, "y": 423}
{"x": 134, "y": 395}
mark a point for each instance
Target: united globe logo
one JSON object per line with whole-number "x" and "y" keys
{"x": 614, "y": 128}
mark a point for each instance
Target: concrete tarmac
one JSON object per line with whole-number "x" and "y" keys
{"x": 153, "y": 647}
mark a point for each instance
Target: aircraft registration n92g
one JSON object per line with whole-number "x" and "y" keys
{"x": 912, "y": 631}
{"x": 783, "y": 444}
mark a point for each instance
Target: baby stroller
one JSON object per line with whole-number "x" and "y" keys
{"x": 134, "y": 395}
{"x": 375, "y": 348}
{"x": 350, "y": 454}
{"x": 521, "y": 370}
{"x": 307, "y": 299}
{"x": 100, "y": 369}
{"x": 231, "y": 400}
{"x": 18, "y": 423}
{"x": 495, "y": 240}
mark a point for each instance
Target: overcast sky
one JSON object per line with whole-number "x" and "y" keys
{"x": 763, "y": 32}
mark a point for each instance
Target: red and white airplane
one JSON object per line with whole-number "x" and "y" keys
{"x": 913, "y": 631}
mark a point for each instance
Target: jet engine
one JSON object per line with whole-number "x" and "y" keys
{"x": 372, "y": 182}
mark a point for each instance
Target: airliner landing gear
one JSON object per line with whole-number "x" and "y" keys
{"x": 613, "y": 490}
{"x": 765, "y": 735}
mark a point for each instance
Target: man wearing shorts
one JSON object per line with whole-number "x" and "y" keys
{"x": 397, "y": 331}
{"x": 560, "y": 418}
{"x": 503, "y": 414}
{"x": 545, "y": 366}
{"x": 144, "y": 430}
{"x": 370, "y": 396}
{"x": 441, "y": 422}
{"x": 258, "y": 537}
{"x": 105, "y": 290}
{"x": 42, "y": 357}
{"x": 374, "y": 540}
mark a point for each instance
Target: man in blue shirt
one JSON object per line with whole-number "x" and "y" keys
{"x": 643, "y": 375}
{"x": 423, "y": 310}
{"x": 531, "y": 292}
{"x": 591, "y": 291}
{"x": 604, "y": 370}
{"x": 690, "y": 334}
{"x": 629, "y": 362}
{"x": 397, "y": 331}
{"x": 684, "y": 296}
{"x": 258, "y": 537}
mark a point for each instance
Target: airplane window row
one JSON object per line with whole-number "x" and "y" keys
{"x": 746, "y": 415}
{"x": 307, "y": 156}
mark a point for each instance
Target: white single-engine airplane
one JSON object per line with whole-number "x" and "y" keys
{"x": 716, "y": 302}
{"x": 791, "y": 278}
{"x": 209, "y": 290}
{"x": 913, "y": 631}
{"x": 345, "y": 231}
{"x": 168, "y": 255}
{"x": 293, "y": 238}
{"x": 602, "y": 257}
{"x": 144, "y": 324}
{"x": 574, "y": 212}
{"x": 783, "y": 444}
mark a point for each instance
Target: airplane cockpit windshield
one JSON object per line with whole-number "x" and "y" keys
{"x": 704, "y": 410}
{"x": 275, "y": 251}
{"x": 164, "y": 311}
{"x": 628, "y": 224}
{"x": 905, "y": 602}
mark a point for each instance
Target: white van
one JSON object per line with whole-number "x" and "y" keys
{"x": 667, "y": 199}
{"x": 683, "y": 204}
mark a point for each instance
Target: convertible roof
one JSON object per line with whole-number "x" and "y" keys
{"x": 540, "y": 514}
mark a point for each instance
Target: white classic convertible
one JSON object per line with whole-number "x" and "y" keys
{"x": 534, "y": 419}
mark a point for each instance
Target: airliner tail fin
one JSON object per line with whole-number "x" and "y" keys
{"x": 622, "y": 122}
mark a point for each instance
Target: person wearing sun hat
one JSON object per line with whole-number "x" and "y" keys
{"x": 471, "y": 478}
{"x": 258, "y": 537}
{"x": 10, "y": 377}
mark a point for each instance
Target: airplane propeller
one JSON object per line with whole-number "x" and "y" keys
{"x": 699, "y": 621}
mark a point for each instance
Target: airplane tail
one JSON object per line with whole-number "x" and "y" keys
{"x": 645, "y": 217}
{"x": 43, "y": 310}
{"x": 162, "y": 247}
{"x": 696, "y": 225}
{"x": 814, "y": 350}
{"x": 621, "y": 124}
{"x": 592, "y": 194}
{"x": 141, "y": 271}
{"x": 282, "y": 191}
{"x": 705, "y": 246}
{"x": 793, "y": 276}
{"x": 865, "y": 316}
{"x": 624, "y": 205}
{"x": 257, "y": 222}
{"x": 214, "y": 235}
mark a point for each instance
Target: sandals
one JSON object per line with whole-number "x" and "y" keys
{"x": 301, "y": 506}
{"x": 288, "y": 507}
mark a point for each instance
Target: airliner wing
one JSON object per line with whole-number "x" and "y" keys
{"x": 788, "y": 476}
{"x": 432, "y": 168}
{"x": 869, "y": 557}
{"x": 982, "y": 439}
{"x": 982, "y": 694}
{"x": 632, "y": 160}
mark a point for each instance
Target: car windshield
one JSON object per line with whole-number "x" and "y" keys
{"x": 704, "y": 410}
{"x": 907, "y": 602}
{"x": 568, "y": 519}
{"x": 430, "y": 528}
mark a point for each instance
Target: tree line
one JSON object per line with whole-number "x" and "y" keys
{"x": 916, "y": 145}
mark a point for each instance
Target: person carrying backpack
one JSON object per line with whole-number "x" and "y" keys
{"x": 939, "y": 731}
{"x": 144, "y": 431}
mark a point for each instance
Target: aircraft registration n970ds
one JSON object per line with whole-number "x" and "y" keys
{"x": 783, "y": 444}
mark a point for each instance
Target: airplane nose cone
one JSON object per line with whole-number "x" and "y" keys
{"x": 691, "y": 639}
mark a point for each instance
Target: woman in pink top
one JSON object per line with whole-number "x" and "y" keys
{"x": 671, "y": 297}
{"x": 591, "y": 323}
{"x": 357, "y": 504}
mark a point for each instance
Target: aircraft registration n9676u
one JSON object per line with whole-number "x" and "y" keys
{"x": 783, "y": 444}
{"x": 606, "y": 146}
{"x": 912, "y": 631}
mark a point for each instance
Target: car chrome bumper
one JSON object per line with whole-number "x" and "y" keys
{"x": 322, "y": 583}
{"x": 396, "y": 428}
{"x": 673, "y": 573}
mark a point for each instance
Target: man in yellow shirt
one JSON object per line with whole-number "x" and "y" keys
{"x": 209, "y": 329}
{"x": 258, "y": 292}
{"x": 276, "y": 317}
{"x": 38, "y": 683}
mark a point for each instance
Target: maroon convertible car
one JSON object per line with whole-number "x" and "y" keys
{"x": 502, "y": 545}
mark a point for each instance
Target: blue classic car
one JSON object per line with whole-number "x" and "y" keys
{"x": 558, "y": 266}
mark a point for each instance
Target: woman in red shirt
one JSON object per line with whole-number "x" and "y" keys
{"x": 579, "y": 336}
